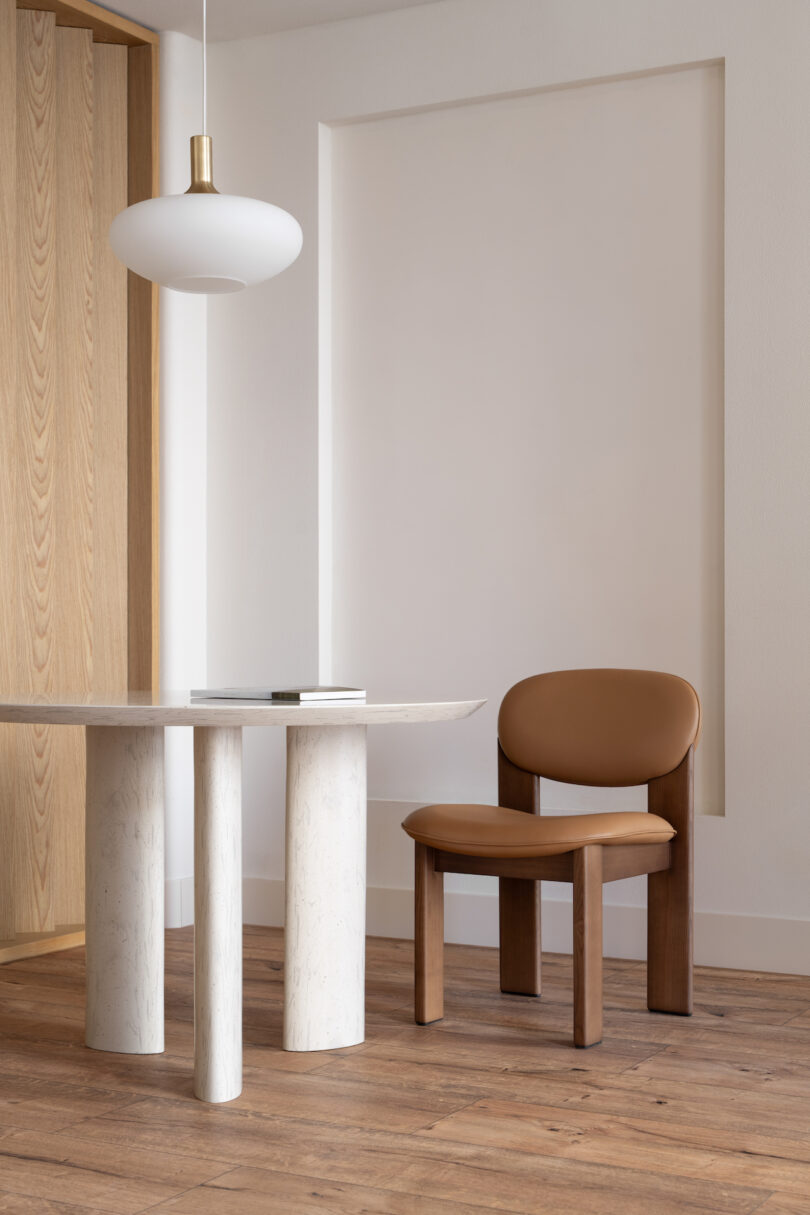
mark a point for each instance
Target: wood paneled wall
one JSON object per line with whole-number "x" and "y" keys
{"x": 78, "y": 426}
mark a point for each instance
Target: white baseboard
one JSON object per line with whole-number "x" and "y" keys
{"x": 740, "y": 942}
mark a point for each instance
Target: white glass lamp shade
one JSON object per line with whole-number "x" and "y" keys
{"x": 206, "y": 243}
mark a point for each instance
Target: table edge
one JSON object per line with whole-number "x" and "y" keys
{"x": 237, "y": 714}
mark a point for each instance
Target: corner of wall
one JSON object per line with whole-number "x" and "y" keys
{"x": 183, "y": 475}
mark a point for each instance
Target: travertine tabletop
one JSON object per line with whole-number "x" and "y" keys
{"x": 177, "y": 709}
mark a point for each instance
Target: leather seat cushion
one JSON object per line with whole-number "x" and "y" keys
{"x": 495, "y": 831}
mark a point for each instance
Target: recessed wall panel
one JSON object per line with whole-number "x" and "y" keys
{"x": 527, "y": 395}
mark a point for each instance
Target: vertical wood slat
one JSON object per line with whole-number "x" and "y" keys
{"x": 109, "y": 373}
{"x": 8, "y": 447}
{"x": 36, "y": 128}
{"x": 144, "y": 605}
{"x": 73, "y": 455}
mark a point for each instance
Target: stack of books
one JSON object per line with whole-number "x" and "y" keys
{"x": 290, "y": 695}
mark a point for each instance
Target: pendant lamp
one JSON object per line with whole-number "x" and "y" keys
{"x": 203, "y": 241}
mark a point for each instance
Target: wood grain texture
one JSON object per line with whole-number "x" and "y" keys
{"x": 786, "y": 1204}
{"x": 619, "y": 861}
{"x": 428, "y": 936}
{"x": 588, "y": 945}
{"x": 671, "y": 1116}
{"x": 519, "y": 912}
{"x": 65, "y": 123}
{"x": 530, "y": 868}
{"x": 105, "y": 26}
{"x": 109, "y": 373}
{"x": 256, "y": 1191}
{"x": 674, "y": 1151}
{"x": 74, "y": 435}
{"x": 8, "y": 448}
{"x": 631, "y": 860}
{"x": 34, "y": 944}
{"x": 36, "y": 272}
{"x": 143, "y": 416}
{"x": 670, "y": 914}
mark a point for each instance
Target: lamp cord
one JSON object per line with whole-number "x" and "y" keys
{"x": 204, "y": 69}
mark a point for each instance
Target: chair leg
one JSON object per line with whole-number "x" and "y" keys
{"x": 669, "y": 897}
{"x": 519, "y": 916}
{"x": 669, "y": 940}
{"x": 588, "y": 945}
{"x": 428, "y": 937}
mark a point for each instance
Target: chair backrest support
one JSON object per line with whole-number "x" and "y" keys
{"x": 604, "y": 727}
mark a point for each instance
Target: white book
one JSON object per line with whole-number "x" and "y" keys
{"x": 294, "y": 695}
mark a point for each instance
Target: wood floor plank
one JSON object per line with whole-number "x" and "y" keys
{"x": 494, "y": 1178}
{"x": 785, "y": 1035}
{"x": 709, "y": 1066}
{"x": 59, "y": 1166}
{"x": 345, "y": 1103}
{"x": 669, "y": 1116}
{"x": 515, "y": 1050}
{"x": 72, "y": 1063}
{"x": 252, "y": 1191}
{"x": 762, "y": 980}
{"x": 747, "y": 1111}
{"x": 785, "y": 1204}
{"x": 760, "y": 1161}
{"x": 36, "y": 1104}
{"x": 21, "y": 1204}
{"x": 38, "y": 993}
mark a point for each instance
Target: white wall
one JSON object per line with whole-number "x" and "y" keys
{"x": 527, "y": 405}
{"x": 183, "y": 432}
{"x": 269, "y": 99}
{"x": 527, "y": 401}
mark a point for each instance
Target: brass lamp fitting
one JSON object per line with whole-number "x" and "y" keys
{"x": 202, "y": 175}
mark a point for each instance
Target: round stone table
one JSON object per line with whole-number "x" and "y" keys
{"x": 324, "y": 970}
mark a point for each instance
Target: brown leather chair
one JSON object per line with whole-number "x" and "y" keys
{"x": 588, "y": 727}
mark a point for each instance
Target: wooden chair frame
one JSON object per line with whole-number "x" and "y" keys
{"x": 669, "y": 867}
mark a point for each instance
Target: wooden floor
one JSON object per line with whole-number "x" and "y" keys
{"x": 492, "y": 1109}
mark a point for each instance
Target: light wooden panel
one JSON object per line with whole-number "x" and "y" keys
{"x": 78, "y": 427}
{"x": 109, "y": 374}
{"x": 8, "y": 441}
{"x": 36, "y": 138}
{"x": 73, "y": 423}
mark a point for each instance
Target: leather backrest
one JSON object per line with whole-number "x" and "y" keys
{"x": 599, "y": 727}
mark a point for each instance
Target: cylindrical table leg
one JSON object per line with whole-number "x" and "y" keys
{"x": 124, "y": 889}
{"x": 217, "y": 913}
{"x": 324, "y": 968}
